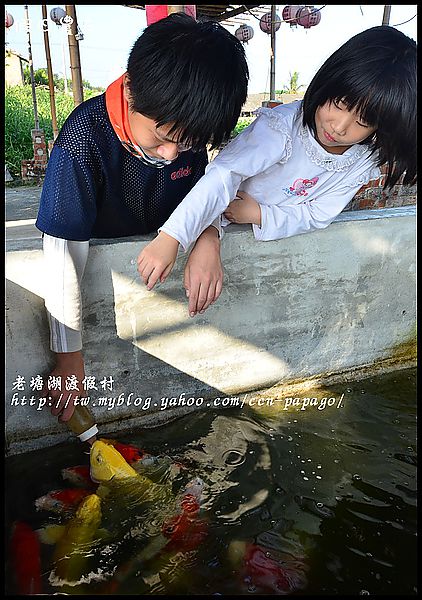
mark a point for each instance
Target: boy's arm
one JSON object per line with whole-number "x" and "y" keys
{"x": 64, "y": 265}
{"x": 203, "y": 276}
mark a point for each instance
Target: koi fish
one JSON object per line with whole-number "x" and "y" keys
{"x": 107, "y": 464}
{"x": 185, "y": 530}
{"x": 157, "y": 468}
{"x": 266, "y": 573}
{"x": 79, "y": 476}
{"x": 73, "y": 541}
{"x": 130, "y": 453}
{"x": 109, "y": 469}
{"x": 135, "y": 456}
{"x": 25, "y": 558}
{"x": 180, "y": 534}
{"x": 61, "y": 501}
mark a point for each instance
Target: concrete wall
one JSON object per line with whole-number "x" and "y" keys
{"x": 313, "y": 304}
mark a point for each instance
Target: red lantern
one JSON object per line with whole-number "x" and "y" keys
{"x": 308, "y": 16}
{"x": 8, "y": 20}
{"x": 156, "y": 12}
{"x": 244, "y": 33}
{"x": 289, "y": 14}
{"x": 265, "y": 23}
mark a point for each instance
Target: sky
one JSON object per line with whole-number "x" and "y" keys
{"x": 111, "y": 30}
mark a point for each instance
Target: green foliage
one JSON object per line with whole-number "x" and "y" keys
{"x": 40, "y": 76}
{"x": 19, "y": 120}
{"x": 294, "y": 85}
{"x": 241, "y": 124}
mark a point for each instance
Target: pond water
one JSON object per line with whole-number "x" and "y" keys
{"x": 304, "y": 501}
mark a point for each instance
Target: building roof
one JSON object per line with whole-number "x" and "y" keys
{"x": 10, "y": 52}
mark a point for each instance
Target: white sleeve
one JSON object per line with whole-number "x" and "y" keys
{"x": 259, "y": 146}
{"x": 64, "y": 263}
{"x": 218, "y": 225}
{"x": 286, "y": 220}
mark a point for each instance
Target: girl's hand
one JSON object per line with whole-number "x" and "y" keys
{"x": 243, "y": 209}
{"x": 157, "y": 259}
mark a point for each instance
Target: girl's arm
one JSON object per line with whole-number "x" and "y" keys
{"x": 253, "y": 151}
{"x": 285, "y": 220}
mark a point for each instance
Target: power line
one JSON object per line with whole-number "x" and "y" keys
{"x": 398, "y": 24}
{"x": 315, "y": 10}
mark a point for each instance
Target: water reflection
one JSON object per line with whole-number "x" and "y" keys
{"x": 304, "y": 502}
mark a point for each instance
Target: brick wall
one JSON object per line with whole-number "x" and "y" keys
{"x": 373, "y": 196}
{"x": 34, "y": 169}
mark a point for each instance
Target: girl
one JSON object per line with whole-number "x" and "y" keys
{"x": 296, "y": 167}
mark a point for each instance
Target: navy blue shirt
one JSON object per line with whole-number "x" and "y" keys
{"x": 95, "y": 188}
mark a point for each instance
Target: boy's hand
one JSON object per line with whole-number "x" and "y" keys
{"x": 243, "y": 209}
{"x": 68, "y": 364}
{"x": 157, "y": 259}
{"x": 203, "y": 278}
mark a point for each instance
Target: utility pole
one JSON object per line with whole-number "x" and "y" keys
{"x": 31, "y": 69}
{"x": 66, "y": 91}
{"x": 75, "y": 61}
{"x": 386, "y": 15}
{"x": 272, "y": 64}
{"x": 50, "y": 72}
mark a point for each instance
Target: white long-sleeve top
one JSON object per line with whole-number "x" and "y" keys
{"x": 299, "y": 185}
{"x": 64, "y": 265}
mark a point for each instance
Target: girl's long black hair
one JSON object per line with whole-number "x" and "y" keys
{"x": 374, "y": 73}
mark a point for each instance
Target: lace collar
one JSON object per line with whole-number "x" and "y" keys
{"x": 322, "y": 158}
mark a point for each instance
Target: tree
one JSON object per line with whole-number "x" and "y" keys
{"x": 40, "y": 76}
{"x": 293, "y": 87}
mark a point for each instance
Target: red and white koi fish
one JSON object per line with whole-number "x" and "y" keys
{"x": 62, "y": 501}
{"x": 79, "y": 476}
{"x": 25, "y": 557}
{"x": 266, "y": 573}
{"x": 185, "y": 530}
{"x": 180, "y": 534}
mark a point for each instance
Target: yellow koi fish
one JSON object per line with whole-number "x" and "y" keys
{"x": 73, "y": 544}
{"x": 113, "y": 473}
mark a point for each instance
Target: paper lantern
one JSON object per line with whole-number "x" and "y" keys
{"x": 289, "y": 14}
{"x": 265, "y": 23}
{"x": 8, "y": 20}
{"x": 244, "y": 33}
{"x": 308, "y": 16}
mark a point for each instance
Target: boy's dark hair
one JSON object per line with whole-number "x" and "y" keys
{"x": 374, "y": 73}
{"x": 193, "y": 74}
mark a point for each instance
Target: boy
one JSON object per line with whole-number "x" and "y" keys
{"x": 124, "y": 160}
